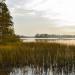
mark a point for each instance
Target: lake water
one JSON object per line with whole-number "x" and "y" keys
{"x": 68, "y": 41}
{"x": 41, "y": 71}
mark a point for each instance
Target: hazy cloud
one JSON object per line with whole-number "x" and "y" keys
{"x": 43, "y": 15}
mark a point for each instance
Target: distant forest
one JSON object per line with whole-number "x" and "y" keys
{"x": 48, "y": 36}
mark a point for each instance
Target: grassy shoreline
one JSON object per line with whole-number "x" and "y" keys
{"x": 36, "y": 53}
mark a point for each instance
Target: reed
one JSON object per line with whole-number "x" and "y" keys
{"x": 38, "y": 53}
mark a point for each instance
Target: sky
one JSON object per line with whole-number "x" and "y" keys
{"x": 43, "y": 16}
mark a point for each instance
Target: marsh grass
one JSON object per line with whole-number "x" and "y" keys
{"x": 37, "y": 54}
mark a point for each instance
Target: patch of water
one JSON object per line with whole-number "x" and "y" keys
{"x": 39, "y": 71}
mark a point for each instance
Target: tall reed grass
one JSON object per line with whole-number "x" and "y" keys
{"x": 36, "y": 53}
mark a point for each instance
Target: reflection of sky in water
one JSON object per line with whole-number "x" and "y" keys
{"x": 34, "y": 71}
{"x": 68, "y": 41}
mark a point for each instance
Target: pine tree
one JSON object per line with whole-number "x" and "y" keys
{"x": 6, "y": 25}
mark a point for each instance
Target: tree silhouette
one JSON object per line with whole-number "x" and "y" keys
{"x": 6, "y": 25}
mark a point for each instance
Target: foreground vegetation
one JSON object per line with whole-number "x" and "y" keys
{"x": 41, "y": 54}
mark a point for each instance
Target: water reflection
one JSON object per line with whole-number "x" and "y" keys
{"x": 31, "y": 70}
{"x": 41, "y": 71}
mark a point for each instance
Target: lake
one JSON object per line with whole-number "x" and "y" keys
{"x": 41, "y": 71}
{"x": 68, "y": 41}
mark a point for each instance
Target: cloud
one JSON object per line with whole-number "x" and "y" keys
{"x": 43, "y": 15}
{"x": 55, "y": 9}
{"x": 31, "y": 7}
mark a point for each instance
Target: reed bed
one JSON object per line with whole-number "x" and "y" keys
{"x": 41, "y": 54}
